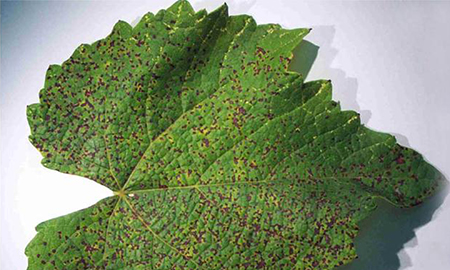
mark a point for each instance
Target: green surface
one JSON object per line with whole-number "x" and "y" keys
{"x": 218, "y": 156}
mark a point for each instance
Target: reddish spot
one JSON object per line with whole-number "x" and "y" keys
{"x": 235, "y": 122}
{"x": 206, "y": 142}
{"x": 236, "y": 160}
{"x": 261, "y": 265}
{"x": 378, "y": 179}
{"x": 400, "y": 160}
{"x": 89, "y": 248}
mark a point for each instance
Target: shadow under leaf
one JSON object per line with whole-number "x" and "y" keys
{"x": 385, "y": 232}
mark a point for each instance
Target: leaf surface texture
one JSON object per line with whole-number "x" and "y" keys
{"x": 220, "y": 158}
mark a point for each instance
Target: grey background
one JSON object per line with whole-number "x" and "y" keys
{"x": 388, "y": 60}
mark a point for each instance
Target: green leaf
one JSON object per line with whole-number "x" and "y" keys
{"x": 219, "y": 157}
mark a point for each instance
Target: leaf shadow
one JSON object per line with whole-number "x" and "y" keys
{"x": 388, "y": 229}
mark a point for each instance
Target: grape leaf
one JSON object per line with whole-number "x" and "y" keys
{"x": 219, "y": 156}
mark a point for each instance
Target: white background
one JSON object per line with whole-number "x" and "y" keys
{"x": 388, "y": 60}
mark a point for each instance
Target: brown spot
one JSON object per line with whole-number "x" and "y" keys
{"x": 206, "y": 142}
{"x": 400, "y": 159}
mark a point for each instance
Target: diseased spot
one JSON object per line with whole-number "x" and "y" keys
{"x": 400, "y": 159}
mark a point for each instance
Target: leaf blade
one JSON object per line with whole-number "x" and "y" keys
{"x": 218, "y": 154}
